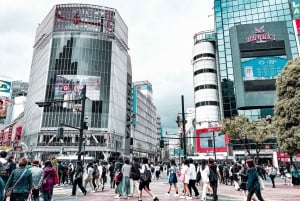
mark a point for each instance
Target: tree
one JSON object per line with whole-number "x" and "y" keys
{"x": 241, "y": 128}
{"x": 287, "y": 108}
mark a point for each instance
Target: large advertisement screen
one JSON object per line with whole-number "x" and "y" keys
{"x": 262, "y": 68}
{"x": 68, "y": 87}
{"x": 205, "y": 140}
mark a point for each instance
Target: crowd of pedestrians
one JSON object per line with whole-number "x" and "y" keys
{"x": 130, "y": 178}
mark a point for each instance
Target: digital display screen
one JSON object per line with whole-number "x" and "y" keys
{"x": 262, "y": 68}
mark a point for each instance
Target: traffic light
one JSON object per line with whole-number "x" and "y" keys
{"x": 162, "y": 143}
{"x": 210, "y": 143}
{"x": 60, "y": 133}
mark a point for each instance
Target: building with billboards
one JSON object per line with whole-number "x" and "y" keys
{"x": 255, "y": 39}
{"x": 77, "y": 45}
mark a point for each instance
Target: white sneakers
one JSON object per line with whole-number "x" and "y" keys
{"x": 167, "y": 194}
{"x": 188, "y": 198}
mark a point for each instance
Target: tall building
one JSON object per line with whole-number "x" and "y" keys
{"x": 255, "y": 39}
{"x": 145, "y": 133}
{"x": 77, "y": 45}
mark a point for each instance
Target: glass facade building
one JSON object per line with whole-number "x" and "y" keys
{"x": 234, "y": 22}
{"x": 77, "y": 45}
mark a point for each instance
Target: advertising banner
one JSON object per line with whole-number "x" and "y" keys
{"x": 262, "y": 68}
{"x": 205, "y": 140}
{"x": 68, "y": 87}
{"x": 295, "y": 8}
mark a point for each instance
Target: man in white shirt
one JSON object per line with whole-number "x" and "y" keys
{"x": 193, "y": 175}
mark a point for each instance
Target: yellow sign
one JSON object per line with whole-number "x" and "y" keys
{"x": 5, "y": 148}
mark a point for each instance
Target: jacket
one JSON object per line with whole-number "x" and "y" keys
{"x": 49, "y": 179}
{"x": 37, "y": 174}
{"x": 25, "y": 183}
{"x": 253, "y": 183}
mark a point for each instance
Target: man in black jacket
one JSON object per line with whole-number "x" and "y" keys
{"x": 213, "y": 177}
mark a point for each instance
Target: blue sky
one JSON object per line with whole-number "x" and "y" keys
{"x": 160, "y": 41}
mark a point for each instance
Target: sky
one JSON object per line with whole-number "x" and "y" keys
{"x": 160, "y": 43}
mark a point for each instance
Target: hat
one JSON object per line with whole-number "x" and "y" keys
{"x": 35, "y": 162}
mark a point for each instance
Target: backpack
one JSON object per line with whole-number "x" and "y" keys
{"x": 4, "y": 171}
{"x": 212, "y": 175}
{"x": 146, "y": 175}
{"x": 135, "y": 173}
{"x": 118, "y": 176}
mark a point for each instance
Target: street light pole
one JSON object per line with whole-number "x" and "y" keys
{"x": 183, "y": 126}
{"x": 83, "y": 91}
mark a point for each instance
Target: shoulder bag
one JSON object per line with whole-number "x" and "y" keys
{"x": 9, "y": 190}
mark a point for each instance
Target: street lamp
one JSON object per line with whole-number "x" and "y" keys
{"x": 82, "y": 123}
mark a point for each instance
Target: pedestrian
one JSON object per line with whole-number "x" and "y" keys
{"x": 185, "y": 179}
{"x": 157, "y": 171}
{"x": 235, "y": 176}
{"x": 4, "y": 166}
{"x": 37, "y": 175}
{"x": 126, "y": 180}
{"x": 295, "y": 175}
{"x": 272, "y": 172}
{"x": 213, "y": 177}
{"x": 48, "y": 181}
{"x": 2, "y": 187}
{"x": 118, "y": 176}
{"x": 71, "y": 171}
{"x": 96, "y": 176}
{"x": 145, "y": 183}
{"x": 193, "y": 175}
{"x": 11, "y": 164}
{"x": 77, "y": 180}
{"x": 103, "y": 176}
{"x": 111, "y": 174}
{"x": 253, "y": 185}
{"x": 89, "y": 177}
{"x": 173, "y": 178}
{"x": 19, "y": 182}
{"x": 204, "y": 170}
{"x": 135, "y": 175}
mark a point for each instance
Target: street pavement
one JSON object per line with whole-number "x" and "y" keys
{"x": 282, "y": 192}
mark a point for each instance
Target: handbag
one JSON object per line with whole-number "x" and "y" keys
{"x": 8, "y": 192}
{"x": 181, "y": 178}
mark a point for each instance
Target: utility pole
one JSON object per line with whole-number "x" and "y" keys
{"x": 183, "y": 126}
{"x": 82, "y": 124}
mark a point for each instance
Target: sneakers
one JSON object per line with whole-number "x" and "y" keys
{"x": 176, "y": 195}
{"x": 188, "y": 198}
{"x": 182, "y": 197}
{"x": 117, "y": 197}
{"x": 167, "y": 194}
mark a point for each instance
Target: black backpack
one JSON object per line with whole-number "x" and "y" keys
{"x": 135, "y": 173}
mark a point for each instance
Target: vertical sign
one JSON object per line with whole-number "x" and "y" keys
{"x": 296, "y": 8}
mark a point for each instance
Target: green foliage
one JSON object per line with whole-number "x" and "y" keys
{"x": 287, "y": 108}
{"x": 234, "y": 127}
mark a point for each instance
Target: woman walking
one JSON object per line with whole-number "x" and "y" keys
{"x": 145, "y": 184}
{"x": 204, "y": 170}
{"x": 173, "y": 178}
{"x": 19, "y": 182}
{"x": 48, "y": 181}
{"x": 185, "y": 178}
{"x": 253, "y": 183}
{"x": 78, "y": 175}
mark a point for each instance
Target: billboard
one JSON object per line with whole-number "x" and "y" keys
{"x": 262, "y": 68}
{"x": 84, "y": 18}
{"x": 69, "y": 87}
{"x": 204, "y": 140}
{"x": 5, "y": 88}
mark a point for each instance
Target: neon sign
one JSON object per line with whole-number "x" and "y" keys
{"x": 260, "y": 36}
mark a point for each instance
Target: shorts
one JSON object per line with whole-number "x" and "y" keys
{"x": 143, "y": 184}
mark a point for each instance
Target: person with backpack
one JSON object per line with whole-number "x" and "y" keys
{"x": 173, "y": 178}
{"x": 145, "y": 180}
{"x": 118, "y": 178}
{"x": 37, "y": 175}
{"x": 213, "y": 177}
{"x": 135, "y": 175}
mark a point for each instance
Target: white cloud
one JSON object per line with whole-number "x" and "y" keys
{"x": 160, "y": 41}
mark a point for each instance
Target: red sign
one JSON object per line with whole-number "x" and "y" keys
{"x": 10, "y": 133}
{"x": 297, "y": 25}
{"x": 205, "y": 141}
{"x": 1, "y": 137}
{"x": 260, "y": 35}
{"x": 285, "y": 155}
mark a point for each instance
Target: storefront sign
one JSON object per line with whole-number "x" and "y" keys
{"x": 260, "y": 36}
{"x": 296, "y": 8}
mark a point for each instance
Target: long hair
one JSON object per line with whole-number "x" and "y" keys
{"x": 203, "y": 164}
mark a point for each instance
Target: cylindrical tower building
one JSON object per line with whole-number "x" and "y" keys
{"x": 206, "y": 92}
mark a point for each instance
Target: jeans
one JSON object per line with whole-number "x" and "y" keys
{"x": 126, "y": 186}
{"x": 214, "y": 186}
{"x": 36, "y": 194}
{"x": 47, "y": 195}
{"x": 257, "y": 193}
